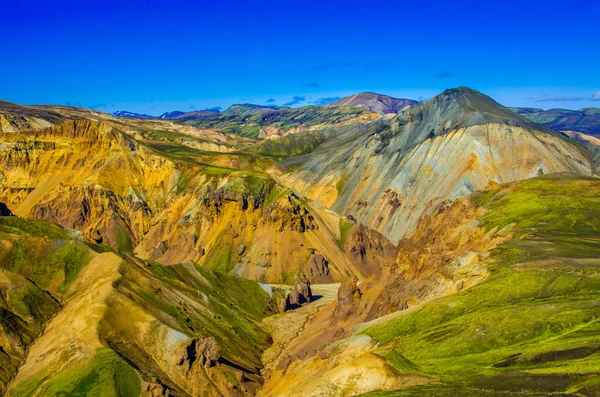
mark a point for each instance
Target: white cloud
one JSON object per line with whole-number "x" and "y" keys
{"x": 596, "y": 96}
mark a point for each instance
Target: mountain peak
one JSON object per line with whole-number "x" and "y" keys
{"x": 467, "y": 101}
{"x": 131, "y": 115}
{"x": 378, "y": 103}
{"x": 457, "y": 108}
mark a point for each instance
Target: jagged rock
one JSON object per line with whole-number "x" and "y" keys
{"x": 300, "y": 295}
{"x": 240, "y": 376}
{"x": 155, "y": 390}
{"x": 241, "y": 249}
{"x": 348, "y": 299}
{"x": 368, "y": 250}
{"x": 317, "y": 269}
{"x": 290, "y": 215}
{"x": 211, "y": 351}
{"x": 204, "y": 351}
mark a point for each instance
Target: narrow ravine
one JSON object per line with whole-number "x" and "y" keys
{"x": 286, "y": 327}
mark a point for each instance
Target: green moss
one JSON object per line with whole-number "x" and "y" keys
{"x": 341, "y": 183}
{"x": 532, "y": 326}
{"x": 290, "y": 145}
{"x": 553, "y": 203}
{"x": 345, "y": 227}
{"x": 220, "y": 256}
{"x": 182, "y": 183}
{"x": 47, "y": 266}
{"x": 399, "y": 362}
{"x": 32, "y": 227}
{"x": 124, "y": 242}
{"x": 106, "y": 374}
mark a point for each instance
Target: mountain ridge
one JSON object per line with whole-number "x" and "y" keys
{"x": 378, "y": 103}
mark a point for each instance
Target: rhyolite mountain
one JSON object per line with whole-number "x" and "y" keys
{"x": 377, "y": 103}
{"x": 450, "y": 250}
{"x": 390, "y": 173}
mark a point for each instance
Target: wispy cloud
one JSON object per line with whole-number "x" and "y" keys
{"x": 562, "y": 99}
{"x": 295, "y": 100}
{"x": 325, "y": 100}
{"x": 311, "y": 84}
{"x": 192, "y": 107}
{"x": 594, "y": 97}
{"x": 444, "y": 74}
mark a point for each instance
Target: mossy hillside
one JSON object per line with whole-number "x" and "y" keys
{"x": 345, "y": 227}
{"x": 532, "y": 326}
{"x": 32, "y": 227}
{"x": 555, "y": 203}
{"x": 51, "y": 265}
{"x": 290, "y": 145}
{"x": 106, "y": 374}
{"x": 221, "y": 255}
{"x": 38, "y": 261}
{"x": 450, "y": 391}
{"x": 200, "y": 302}
{"x": 251, "y": 184}
{"x": 25, "y": 300}
{"x": 24, "y": 310}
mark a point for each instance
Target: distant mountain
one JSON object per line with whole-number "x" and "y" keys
{"x": 250, "y": 109}
{"x": 175, "y": 115}
{"x": 171, "y": 115}
{"x": 377, "y": 103}
{"x": 266, "y": 121}
{"x": 585, "y": 120}
{"x": 132, "y": 115}
{"x": 195, "y": 115}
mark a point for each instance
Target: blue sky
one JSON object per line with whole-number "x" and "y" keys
{"x": 152, "y": 56}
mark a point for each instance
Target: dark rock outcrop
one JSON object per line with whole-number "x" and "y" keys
{"x": 348, "y": 300}
{"x": 300, "y": 295}
{"x": 317, "y": 269}
{"x": 204, "y": 351}
{"x": 368, "y": 249}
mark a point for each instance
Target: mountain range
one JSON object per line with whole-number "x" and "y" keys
{"x": 584, "y": 120}
{"x": 375, "y": 247}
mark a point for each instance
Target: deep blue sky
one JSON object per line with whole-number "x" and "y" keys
{"x": 152, "y": 56}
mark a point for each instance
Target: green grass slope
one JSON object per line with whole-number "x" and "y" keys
{"x": 532, "y": 328}
{"x": 38, "y": 261}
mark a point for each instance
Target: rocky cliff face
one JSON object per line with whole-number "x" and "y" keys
{"x": 92, "y": 177}
{"x": 87, "y": 176}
